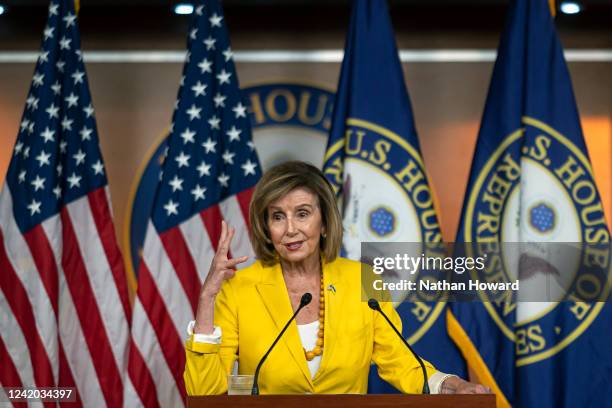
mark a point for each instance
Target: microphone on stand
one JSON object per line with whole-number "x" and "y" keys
{"x": 373, "y": 303}
{"x": 306, "y": 298}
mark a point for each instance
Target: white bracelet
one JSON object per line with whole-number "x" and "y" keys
{"x": 436, "y": 380}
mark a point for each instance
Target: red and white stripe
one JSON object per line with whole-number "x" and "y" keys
{"x": 64, "y": 302}
{"x": 172, "y": 268}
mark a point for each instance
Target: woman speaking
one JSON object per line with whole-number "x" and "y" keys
{"x": 296, "y": 232}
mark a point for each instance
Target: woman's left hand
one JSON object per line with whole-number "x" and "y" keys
{"x": 455, "y": 385}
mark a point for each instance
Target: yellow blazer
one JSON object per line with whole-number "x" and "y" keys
{"x": 253, "y": 307}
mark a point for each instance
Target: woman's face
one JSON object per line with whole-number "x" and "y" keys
{"x": 295, "y": 224}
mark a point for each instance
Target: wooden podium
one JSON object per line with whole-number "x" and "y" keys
{"x": 342, "y": 401}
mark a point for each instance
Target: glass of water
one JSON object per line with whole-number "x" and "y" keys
{"x": 239, "y": 384}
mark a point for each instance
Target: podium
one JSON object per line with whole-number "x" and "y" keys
{"x": 342, "y": 401}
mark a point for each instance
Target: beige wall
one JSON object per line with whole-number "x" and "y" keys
{"x": 134, "y": 103}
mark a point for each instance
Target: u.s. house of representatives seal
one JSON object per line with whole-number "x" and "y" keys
{"x": 386, "y": 198}
{"x": 535, "y": 191}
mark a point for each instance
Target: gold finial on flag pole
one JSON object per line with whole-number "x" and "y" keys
{"x": 77, "y": 6}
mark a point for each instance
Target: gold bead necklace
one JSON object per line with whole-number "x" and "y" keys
{"x": 318, "y": 350}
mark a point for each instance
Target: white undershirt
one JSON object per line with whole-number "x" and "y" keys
{"x": 308, "y": 335}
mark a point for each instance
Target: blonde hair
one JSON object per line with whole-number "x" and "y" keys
{"x": 280, "y": 181}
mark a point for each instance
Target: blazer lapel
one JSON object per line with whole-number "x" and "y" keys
{"x": 275, "y": 297}
{"x": 335, "y": 297}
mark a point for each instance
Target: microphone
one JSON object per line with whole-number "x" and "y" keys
{"x": 373, "y": 303}
{"x": 306, "y": 298}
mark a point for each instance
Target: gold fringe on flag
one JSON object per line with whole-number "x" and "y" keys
{"x": 551, "y": 3}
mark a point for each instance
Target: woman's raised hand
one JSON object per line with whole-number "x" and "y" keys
{"x": 222, "y": 267}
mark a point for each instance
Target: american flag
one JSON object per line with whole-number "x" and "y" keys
{"x": 208, "y": 174}
{"x": 64, "y": 307}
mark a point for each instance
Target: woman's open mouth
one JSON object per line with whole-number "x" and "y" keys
{"x": 294, "y": 246}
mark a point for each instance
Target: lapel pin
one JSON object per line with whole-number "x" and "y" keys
{"x": 331, "y": 288}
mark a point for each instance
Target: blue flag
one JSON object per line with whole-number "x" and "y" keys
{"x": 531, "y": 182}
{"x": 374, "y": 163}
